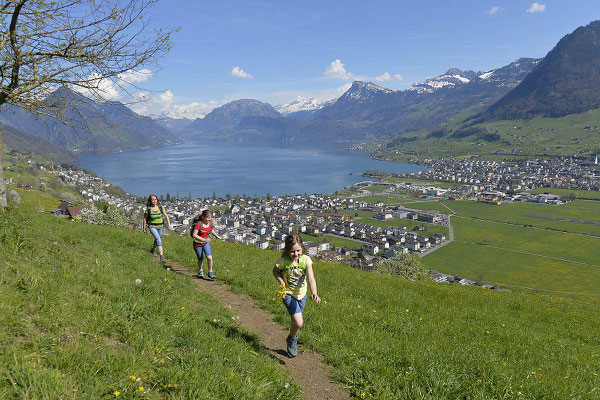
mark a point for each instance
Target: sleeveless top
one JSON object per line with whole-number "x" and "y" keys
{"x": 155, "y": 218}
{"x": 294, "y": 276}
{"x": 203, "y": 232}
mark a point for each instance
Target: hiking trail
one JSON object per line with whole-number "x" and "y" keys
{"x": 308, "y": 369}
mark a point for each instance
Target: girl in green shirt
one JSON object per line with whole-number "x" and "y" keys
{"x": 292, "y": 271}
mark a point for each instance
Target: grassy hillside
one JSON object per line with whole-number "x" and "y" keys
{"x": 74, "y": 324}
{"x": 575, "y": 134}
{"x": 394, "y": 339}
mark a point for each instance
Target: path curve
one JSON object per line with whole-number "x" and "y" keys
{"x": 308, "y": 369}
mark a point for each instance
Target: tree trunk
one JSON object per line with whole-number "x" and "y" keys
{"x": 2, "y": 186}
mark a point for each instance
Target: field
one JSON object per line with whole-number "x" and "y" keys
{"x": 518, "y": 257}
{"x": 537, "y": 137}
{"x": 580, "y": 210}
{"x": 74, "y": 324}
{"x": 91, "y": 331}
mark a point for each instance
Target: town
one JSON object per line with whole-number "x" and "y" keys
{"x": 332, "y": 224}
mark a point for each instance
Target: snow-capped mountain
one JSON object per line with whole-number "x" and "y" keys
{"x": 304, "y": 108}
{"x": 511, "y": 74}
{"x": 300, "y": 104}
{"x": 453, "y": 77}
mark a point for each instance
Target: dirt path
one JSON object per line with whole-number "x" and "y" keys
{"x": 308, "y": 369}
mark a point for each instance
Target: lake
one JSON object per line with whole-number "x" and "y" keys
{"x": 199, "y": 168}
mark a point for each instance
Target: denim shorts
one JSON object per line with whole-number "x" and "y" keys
{"x": 156, "y": 231}
{"x": 293, "y": 305}
{"x": 202, "y": 250}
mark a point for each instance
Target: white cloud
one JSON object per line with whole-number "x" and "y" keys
{"x": 240, "y": 73}
{"x": 164, "y": 104}
{"x": 114, "y": 89}
{"x": 493, "y": 10}
{"x": 386, "y": 77}
{"x": 336, "y": 70}
{"x": 131, "y": 77}
{"x": 536, "y": 7}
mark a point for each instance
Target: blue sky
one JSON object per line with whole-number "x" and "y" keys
{"x": 275, "y": 51}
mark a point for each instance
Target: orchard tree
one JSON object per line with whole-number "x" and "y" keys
{"x": 83, "y": 45}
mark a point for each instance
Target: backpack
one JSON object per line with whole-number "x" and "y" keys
{"x": 194, "y": 222}
{"x": 148, "y": 209}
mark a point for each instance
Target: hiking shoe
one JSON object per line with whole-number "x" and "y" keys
{"x": 211, "y": 275}
{"x": 292, "y": 346}
{"x": 153, "y": 250}
{"x": 200, "y": 274}
{"x": 162, "y": 258}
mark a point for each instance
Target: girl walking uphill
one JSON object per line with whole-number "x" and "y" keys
{"x": 154, "y": 217}
{"x": 201, "y": 233}
{"x": 292, "y": 271}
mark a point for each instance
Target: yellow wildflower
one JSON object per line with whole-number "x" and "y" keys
{"x": 280, "y": 294}
{"x": 141, "y": 388}
{"x": 182, "y": 307}
{"x": 162, "y": 360}
{"x": 117, "y": 393}
{"x": 132, "y": 377}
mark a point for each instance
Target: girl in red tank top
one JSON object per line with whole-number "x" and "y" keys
{"x": 201, "y": 234}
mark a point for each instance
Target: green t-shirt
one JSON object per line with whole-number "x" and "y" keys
{"x": 154, "y": 218}
{"x": 294, "y": 276}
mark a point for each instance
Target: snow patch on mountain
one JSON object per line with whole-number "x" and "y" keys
{"x": 451, "y": 78}
{"x": 486, "y": 75}
{"x": 300, "y": 104}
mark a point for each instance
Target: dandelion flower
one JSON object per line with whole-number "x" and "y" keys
{"x": 214, "y": 320}
{"x": 182, "y": 307}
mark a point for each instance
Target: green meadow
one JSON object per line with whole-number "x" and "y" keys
{"x": 579, "y": 210}
{"x": 74, "y": 324}
{"x": 515, "y": 270}
{"x": 87, "y": 313}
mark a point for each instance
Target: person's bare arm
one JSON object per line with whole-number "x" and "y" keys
{"x": 167, "y": 217}
{"x": 312, "y": 283}
{"x": 278, "y": 276}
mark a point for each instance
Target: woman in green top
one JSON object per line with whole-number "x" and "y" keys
{"x": 153, "y": 219}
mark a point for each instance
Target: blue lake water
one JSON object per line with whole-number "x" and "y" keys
{"x": 200, "y": 168}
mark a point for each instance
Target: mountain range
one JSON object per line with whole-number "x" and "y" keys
{"x": 79, "y": 124}
{"x": 562, "y": 83}
{"x": 365, "y": 110}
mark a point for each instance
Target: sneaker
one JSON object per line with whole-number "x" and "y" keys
{"x": 211, "y": 275}
{"x": 162, "y": 258}
{"x": 200, "y": 274}
{"x": 292, "y": 346}
{"x": 153, "y": 250}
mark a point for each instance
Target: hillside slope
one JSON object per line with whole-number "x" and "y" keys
{"x": 385, "y": 337}
{"x": 565, "y": 82}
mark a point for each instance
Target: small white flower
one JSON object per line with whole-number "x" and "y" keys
{"x": 287, "y": 385}
{"x": 407, "y": 310}
{"x": 359, "y": 307}
{"x": 168, "y": 269}
{"x": 138, "y": 281}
